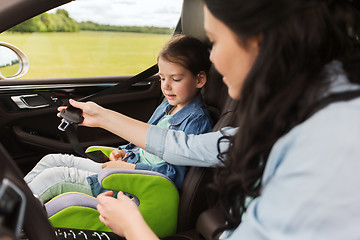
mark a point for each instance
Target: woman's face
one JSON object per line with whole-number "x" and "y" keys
{"x": 231, "y": 59}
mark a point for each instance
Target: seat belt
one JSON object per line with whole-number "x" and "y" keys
{"x": 72, "y": 116}
{"x": 211, "y": 222}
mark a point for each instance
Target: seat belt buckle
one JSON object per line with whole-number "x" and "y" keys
{"x": 63, "y": 125}
{"x": 70, "y": 115}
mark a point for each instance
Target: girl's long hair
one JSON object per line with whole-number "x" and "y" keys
{"x": 299, "y": 37}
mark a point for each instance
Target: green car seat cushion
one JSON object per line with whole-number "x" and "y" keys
{"x": 157, "y": 195}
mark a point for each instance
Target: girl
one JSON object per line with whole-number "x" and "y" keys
{"x": 183, "y": 67}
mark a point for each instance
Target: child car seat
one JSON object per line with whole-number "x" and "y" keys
{"x": 154, "y": 193}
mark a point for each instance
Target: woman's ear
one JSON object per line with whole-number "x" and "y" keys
{"x": 255, "y": 44}
{"x": 201, "y": 79}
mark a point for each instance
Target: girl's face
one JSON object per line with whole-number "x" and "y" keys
{"x": 178, "y": 84}
{"x": 231, "y": 59}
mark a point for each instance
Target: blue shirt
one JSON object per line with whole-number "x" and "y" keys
{"x": 310, "y": 186}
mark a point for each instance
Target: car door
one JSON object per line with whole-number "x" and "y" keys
{"x": 28, "y": 106}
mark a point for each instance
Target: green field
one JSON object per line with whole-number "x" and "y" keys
{"x": 53, "y": 55}
{"x": 8, "y": 71}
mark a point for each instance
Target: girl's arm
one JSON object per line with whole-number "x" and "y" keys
{"x": 123, "y": 217}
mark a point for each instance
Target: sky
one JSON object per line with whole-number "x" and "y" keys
{"x": 6, "y": 56}
{"x": 159, "y": 13}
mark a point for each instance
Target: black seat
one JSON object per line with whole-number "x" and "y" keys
{"x": 193, "y": 192}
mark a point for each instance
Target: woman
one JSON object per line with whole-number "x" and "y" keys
{"x": 294, "y": 172}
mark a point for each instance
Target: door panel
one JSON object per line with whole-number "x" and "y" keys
{"x": 30, "y": 133}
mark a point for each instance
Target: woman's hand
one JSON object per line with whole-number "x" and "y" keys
{"x": 118, "y": 214}
{"x": 119, "y": 165}
{"x": 92, "y": 113}
{"x": 123, "y": 217}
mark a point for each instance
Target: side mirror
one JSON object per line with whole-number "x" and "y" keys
{"x": 13, "y": 62}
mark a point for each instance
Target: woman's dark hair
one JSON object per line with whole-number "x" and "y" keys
{"x": 187, "y": 51}
{"x": 298, "y": 38}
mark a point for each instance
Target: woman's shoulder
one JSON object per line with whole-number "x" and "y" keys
{"x": 330, "y": 138}
{"x": 333, "y": 129}
{"x": 338, "y": 120}
{"x": 342, "y": 115}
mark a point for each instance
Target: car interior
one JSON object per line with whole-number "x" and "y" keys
{"x": 28, "y": 133}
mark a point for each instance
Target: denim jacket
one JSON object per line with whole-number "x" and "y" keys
{"x": 194, "y": 118}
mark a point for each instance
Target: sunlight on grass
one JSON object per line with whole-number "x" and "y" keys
{"x": 84, "y": 54}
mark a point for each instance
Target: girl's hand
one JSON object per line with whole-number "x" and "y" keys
{"x": 92, "y": 113}
{"x": 117, "y": 155}
{"x": 120, "y": 214}
{"x": 119, "y": 165}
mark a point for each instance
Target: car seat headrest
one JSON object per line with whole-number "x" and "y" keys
{"x": 192, "y": 19}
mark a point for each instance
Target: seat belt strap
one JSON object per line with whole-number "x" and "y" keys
{"x": 96, "y": 156}
{"x": 124, "y": 85}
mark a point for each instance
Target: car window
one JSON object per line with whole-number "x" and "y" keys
{"x": 95, "y": 38}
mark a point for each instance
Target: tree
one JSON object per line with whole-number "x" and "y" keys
{"x": 58, "y": 22}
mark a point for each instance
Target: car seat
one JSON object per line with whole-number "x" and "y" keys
{"x": 154, "y": 193}
{"x": 192, "y": 198}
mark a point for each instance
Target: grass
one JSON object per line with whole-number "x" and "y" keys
{"x": 83, "y": 54}
{"x": 9, "y": 71}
